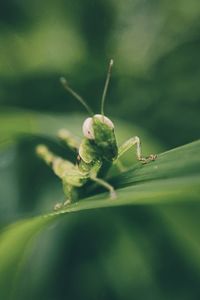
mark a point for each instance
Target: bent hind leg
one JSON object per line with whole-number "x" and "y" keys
{"x": 60, "y": 167}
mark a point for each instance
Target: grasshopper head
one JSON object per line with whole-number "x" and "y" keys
{"x": 100, "y": 130}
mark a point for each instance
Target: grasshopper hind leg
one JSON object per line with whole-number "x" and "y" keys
{"x": 60, "y": 167}
{"x": 68, "y": 191}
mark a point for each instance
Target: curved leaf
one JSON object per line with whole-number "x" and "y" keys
{"x": 173, "y": 177}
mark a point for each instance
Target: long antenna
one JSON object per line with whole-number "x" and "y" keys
{"x": 73, "y": 93}
{"x": 106, "y": 86}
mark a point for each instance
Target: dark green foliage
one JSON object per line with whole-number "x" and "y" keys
{"x": 147, "y": 245}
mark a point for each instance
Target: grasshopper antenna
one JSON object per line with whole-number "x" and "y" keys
{"x": 106, "y": 86}
{"x": 73, "y": 93}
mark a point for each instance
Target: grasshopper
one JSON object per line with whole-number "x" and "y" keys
{"x": 96, "y": 152}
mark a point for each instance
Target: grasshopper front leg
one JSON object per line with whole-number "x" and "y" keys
{"x": 69, "y": 139}
{"x": 132, "y": 142}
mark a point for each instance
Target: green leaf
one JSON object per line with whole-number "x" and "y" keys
{"x": 13, "y": 242}
{"x": 173, "y": 178}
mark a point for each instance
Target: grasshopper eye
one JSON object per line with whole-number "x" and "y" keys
{"x": 88, "y": 131}
{"x": 105, "y": 120}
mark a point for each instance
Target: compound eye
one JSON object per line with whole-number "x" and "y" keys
{"x": 88, "y": 130}
{"x": 105, "y": 120}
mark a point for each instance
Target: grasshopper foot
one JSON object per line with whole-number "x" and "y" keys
{"x": 67, "y": 202}
{"x": 61, "y": 205}
{"x": 113, "y": 194}
{"x": 146, "y": 160}
{"x": 58, "y": 206}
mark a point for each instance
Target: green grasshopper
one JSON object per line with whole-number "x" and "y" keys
{"x": 96, "y": 152}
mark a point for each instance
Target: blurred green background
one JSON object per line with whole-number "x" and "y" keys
{"x": 141, "y": 252}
